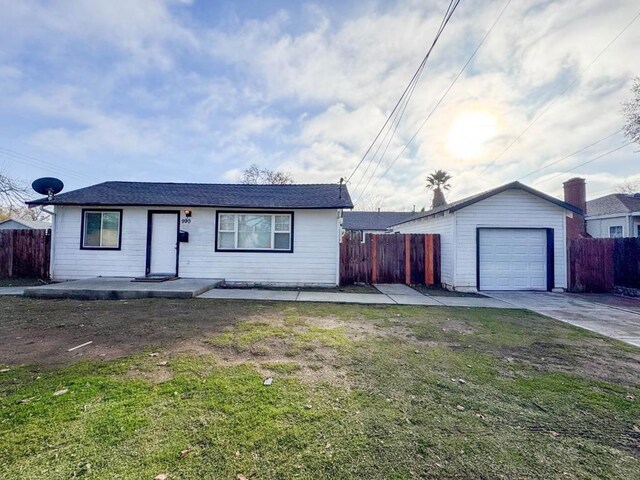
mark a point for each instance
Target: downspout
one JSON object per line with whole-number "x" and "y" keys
{"x": 53, "y": 239}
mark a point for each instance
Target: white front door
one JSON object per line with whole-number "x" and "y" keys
{"x": 512, "y": 259}
{"x": 164, "y": 244}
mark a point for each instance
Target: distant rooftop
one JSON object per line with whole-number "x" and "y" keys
{"x": 373, "y": 220}
{"x": 615, "y": 203}
{"x": 34, "y": 224}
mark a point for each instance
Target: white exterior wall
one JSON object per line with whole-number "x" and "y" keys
{"x": 314, "y": 259}
{"x": 599, "y": 227}
{"x": 509, "y": 209}
{"x": 444, "y": 226}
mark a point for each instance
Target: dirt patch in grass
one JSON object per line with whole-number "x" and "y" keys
{"x": 42, "y": 331}
{"x": 312, "y": 348}
{"x": 577, "y": 357}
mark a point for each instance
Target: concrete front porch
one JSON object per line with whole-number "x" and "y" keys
{"x": 117, "y": 288}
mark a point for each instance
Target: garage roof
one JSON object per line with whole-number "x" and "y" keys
{"x": 465, "y": 202}
{"x": 311, "y": 196}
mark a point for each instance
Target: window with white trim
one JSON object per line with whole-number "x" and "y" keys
{"x": 255, "y": 231}
{"x": 101, "y": 229}
{"x": 615, "y": 232}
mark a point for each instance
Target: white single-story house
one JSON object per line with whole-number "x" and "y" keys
{"x": 509, "y": 238}
{"x": 23, "y": 224}
{"x": 253, "y": 234}
{"x": 366, "y": 222}
{"x": 614, "y": 216}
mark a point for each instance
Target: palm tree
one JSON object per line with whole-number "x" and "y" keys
{"x": 438, "y": 181}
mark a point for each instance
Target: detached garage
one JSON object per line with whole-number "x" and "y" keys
{"x": 509, "y": 238}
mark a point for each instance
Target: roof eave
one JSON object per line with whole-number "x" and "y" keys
{"x": 187, "y": 204}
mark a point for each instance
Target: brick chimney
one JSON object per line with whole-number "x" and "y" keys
{"x": 575, "y": 193}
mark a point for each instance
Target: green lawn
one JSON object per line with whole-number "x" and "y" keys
{"x": 358, "y": 393}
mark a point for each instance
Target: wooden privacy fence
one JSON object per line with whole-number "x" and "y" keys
{"x": 395, "y": 258}
{"x": 25, "y": 253}
{"x": 599, "y": 264}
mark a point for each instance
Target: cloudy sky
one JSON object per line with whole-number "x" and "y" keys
{"x": 195, "y": 91}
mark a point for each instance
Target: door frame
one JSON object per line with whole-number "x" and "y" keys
{"x": 150, "y": 214}
{"x": 550, "y": 252}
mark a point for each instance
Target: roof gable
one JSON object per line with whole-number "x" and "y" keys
{"x": 313, "y": 196}
{"x": 465, "y": 202}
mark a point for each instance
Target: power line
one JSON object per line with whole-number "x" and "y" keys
{"x": 584, "y": 163}
{"x": 548, "y": 107}
{"x": 464, "y": 67}
{"x": 38, "y": 163}
{"x": 570, "y": 155}
{"x": 452, "y": 6}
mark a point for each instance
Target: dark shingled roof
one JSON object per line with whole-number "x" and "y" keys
{"x": 465, "y": 202}
{"x": 614, "y": 203}
{"x": 205, "y": 195}
{"x": 373, "y": 220}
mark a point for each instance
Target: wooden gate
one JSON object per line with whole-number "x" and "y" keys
{"x": 395, "y": 258}
{"x": 25, "y": 253}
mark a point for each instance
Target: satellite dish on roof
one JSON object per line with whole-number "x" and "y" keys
{"x": 48, "y": 186}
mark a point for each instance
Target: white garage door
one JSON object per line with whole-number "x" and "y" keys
{"x": 513, "y": 259}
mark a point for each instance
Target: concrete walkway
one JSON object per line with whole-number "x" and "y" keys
{"x": 114, "y": 288}
{"x": 11, "y": 290}
{"x": 390, "y": 294}
{"x": 612, "y": 321}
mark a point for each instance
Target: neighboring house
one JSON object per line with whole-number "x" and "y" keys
{"x": 20, "y": 224}
{"x": 614, "y": 216}
{"x": 267, "y": 234}
{"x": 372, "y": 222}
{"x": 509, "y": 238}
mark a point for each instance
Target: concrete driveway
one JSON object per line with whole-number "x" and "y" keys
{"x": 607, "y": 315}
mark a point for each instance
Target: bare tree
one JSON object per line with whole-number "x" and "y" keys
{"x": 255, "y": 175}
{"x": 13, "y": 194}
{"x": 370, "y": 203}
{"x": 628, "y": 187}
{"x": 12, "y": 191}
{"x": 631, "y": 112}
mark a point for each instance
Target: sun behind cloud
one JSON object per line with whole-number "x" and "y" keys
{"x": 469, "y": 133}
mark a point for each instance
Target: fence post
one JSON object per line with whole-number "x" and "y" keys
{"x": 428, "y": 260}
{"x": 407, "y": 259}
{"x": 11, "y": 252}
{"x": 374, "y": 259}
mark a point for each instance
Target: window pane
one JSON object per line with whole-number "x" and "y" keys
{"x": 92, "y": 223}
{"x": 615, "y": 232}
{"x": 226, "y": 240}
{"x": 227, "y": 222}
{"x": 282, "y": 223}
{"x": 254, "y": 231}
{"x": 110, "y": 229}
{"x": 281, "y": 241}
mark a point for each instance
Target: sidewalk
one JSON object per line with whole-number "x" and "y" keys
{"x": 11, "y": 290}
{"x": 390, "y": 294}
